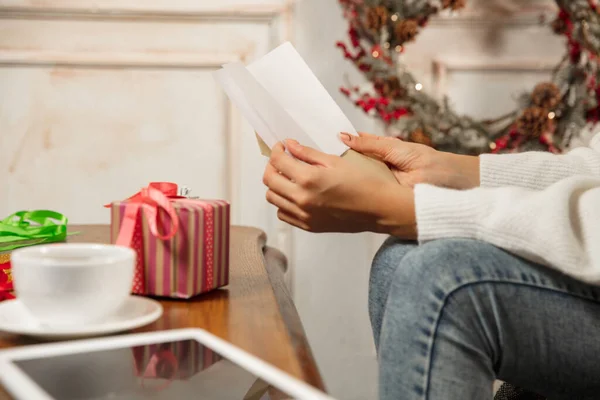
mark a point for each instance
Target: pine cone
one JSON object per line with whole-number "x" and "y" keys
{"x": 389, "y": 87}
{"x": 546, "y": 95}
{"x": 406, "y": 31}
{"x": 559, "y": 26}
{"x": 377, "y": 18}
{"x": 533, "y": 122}
{"x": 454, "y": 4}
{"x": 418, "y": 136}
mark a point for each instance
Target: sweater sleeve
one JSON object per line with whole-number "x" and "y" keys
{"x": 558, "y": 226}
{"x": 538, "y": 170}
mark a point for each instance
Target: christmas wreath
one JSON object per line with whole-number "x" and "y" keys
{"x": 546, "y": 119}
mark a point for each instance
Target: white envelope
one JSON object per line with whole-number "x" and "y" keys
{"x": 285, "y": 74}
{"x": 237, "y": 96}
{"x": 267, "y": 107}
{"x": 282, "y": 99}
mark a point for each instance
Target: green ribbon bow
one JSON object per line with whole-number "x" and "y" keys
{"x": 27, "y": 228}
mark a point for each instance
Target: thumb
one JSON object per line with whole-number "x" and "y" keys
{"x": 368, "y": 144}
{"x": 307, "y": 154}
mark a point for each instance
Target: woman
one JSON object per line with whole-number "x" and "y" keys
{"x": 504, "y": 283}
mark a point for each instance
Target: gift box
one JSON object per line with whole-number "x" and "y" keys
{"x": 22, "y": 229}
{"x": 182, "y": 244}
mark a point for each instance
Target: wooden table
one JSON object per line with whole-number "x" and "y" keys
{"x": 255, "y": 312}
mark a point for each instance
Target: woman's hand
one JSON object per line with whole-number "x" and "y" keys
{"x": 414, "y": 163}
{"x": 326, "y": 193}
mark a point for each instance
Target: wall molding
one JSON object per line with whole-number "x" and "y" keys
{"x": 118, "y": 59}
{"x": 250, "y": 13}
{"x": 132, "y": 60}
{"x": 475, "y": 64}
{"x": 442, "y": 68}
{"x": 527, "y": 15}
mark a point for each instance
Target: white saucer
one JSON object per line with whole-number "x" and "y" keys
{"x": 136, "y": 312}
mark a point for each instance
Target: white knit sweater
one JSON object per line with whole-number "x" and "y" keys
{"x": 542, "y": 207}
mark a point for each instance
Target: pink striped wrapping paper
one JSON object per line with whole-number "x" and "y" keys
{"x": 194, "y": 261}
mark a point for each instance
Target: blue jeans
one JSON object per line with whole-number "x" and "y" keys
{"x": 449, "y": 317}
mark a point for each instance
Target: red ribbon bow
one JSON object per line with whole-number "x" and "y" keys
{"x": 158, "y": 195}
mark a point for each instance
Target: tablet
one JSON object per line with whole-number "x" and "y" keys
{"x": 175, "y": 364}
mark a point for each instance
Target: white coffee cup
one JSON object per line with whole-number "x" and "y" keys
{"x": 67, "y": 284}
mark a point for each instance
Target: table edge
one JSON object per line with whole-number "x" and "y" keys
{"x": 290, "y": 316}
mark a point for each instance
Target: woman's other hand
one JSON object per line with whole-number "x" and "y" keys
{"x": 414, "y": 163}
{"x": 318, "y": 192}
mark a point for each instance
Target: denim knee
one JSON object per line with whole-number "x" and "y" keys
{"x": 426, "y": 274}
{"x": 446, "y": 265}
{"x": 387, "y": 260}
{"x": 437, "y": 267}
{"x": 431, "y": 281}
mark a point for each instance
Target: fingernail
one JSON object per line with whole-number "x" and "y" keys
{"x": 292, "y": 142}
{"x": 345, "y": 137}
